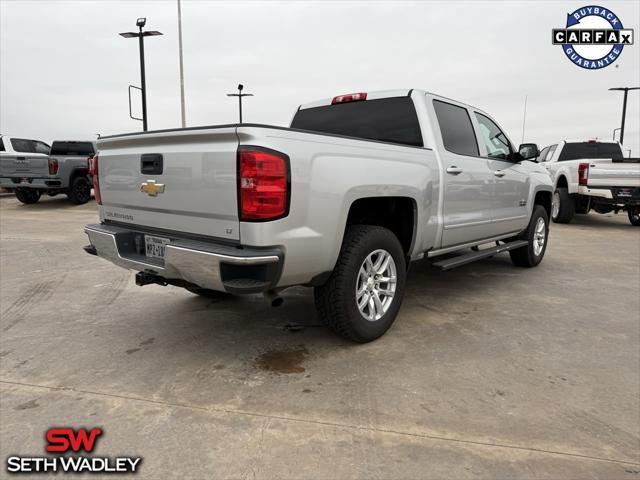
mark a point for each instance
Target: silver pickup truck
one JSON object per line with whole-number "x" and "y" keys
{"x": 359, "y": 186}
{"x": 30, "y": 168}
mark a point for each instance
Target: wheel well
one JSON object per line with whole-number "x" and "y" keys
{"x": 544, "y": 199}
{"x": 395, "y": 213}
{"x": 562, "y": 182}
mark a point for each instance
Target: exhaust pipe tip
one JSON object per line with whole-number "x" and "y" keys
{"x": 273, "y": 297}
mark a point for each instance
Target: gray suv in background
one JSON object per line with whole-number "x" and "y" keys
{"x": 30, "y": 168}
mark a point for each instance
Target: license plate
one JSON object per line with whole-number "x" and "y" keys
{"x": 154, "y": 246}
{"x": 24, "y": 180}
{"x": 624, "y": 192}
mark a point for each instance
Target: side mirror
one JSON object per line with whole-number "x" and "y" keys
{"x": 528, "y": 151}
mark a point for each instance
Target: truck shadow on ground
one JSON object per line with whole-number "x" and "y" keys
{"x": 606, "y": 221}
{"x": 46, "y": 203}
{"x": 253, "y": 322}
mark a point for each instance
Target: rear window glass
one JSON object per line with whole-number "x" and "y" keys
{"x": 72, "y": 148}
{"x": 1, "y": 145}
{"x": 456, "y": 129}
{"x": 578, "y": 150}
{"x": 391, "y": 120}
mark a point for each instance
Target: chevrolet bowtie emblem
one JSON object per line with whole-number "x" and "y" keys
{"x": 152, "y": 188}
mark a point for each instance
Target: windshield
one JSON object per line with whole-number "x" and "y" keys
{"x": 579, "y": 150}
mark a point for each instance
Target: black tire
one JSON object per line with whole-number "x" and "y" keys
{"x": 27, "y": 196}
{"x": 204, "y": 292}
{"x": 80, "y": 190}
{"x": 634, "y": 216}
{"x": 527, "y": 256}
{"x": 566, "y": 208}
{"x": 336, "y": 300}
{"x": 582, "y": 204}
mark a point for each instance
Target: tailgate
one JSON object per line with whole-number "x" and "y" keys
{"x": 182, "y": 180}
{"x": 604, "y": 173}
{"x": 24, "y": 165}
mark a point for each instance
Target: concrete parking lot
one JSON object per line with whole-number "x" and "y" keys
{"x": 490, "y": 371}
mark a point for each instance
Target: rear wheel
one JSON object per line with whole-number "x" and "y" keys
{"x": 79, "y": 190}
{"x": 634, "y": 216}
{"x": 537, "y": 234}
{"x": 362, "y": 297}
{"x": 27, "y": 195}
{"x": 562, "y": 207}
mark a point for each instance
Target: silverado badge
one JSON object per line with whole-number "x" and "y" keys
{"x": 152, "y": 188}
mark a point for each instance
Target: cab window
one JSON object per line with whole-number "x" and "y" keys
{"x": 543, "y": 154}
{"x": 456, "y": 129}
{"x": 552, "y": 150}
{"x": 494, "y": 140}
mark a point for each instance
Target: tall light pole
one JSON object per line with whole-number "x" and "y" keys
{"x": 184, "y": 124}
{"x": 140, "y": 35}
{"x": 240, "y": 95}
{"x": 624, "y": 107}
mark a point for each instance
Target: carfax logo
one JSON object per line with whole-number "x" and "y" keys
{"x": 68, "y": 443}
{"x": 593, "y": 37}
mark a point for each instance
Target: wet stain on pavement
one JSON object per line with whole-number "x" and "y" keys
{"x": 148, "y": 341}
{"x": 132, "y": 350}
{"x": 282, "y": 361}
{"x": 27, "y": 405}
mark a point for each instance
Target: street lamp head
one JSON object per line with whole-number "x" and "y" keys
{"x": 141, "y": 22}
{"x": 151, "y": 33}
{"x": 129, "y": 34}
{"x": 240, "y": 87}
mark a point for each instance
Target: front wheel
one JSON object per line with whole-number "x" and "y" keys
{"x": 362, "y": 297}
{"x": 27, "y": 195}
{"x": 634, "y": 216}
{"x": 537, "y": 234}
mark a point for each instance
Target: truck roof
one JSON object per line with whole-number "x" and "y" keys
{"x": 378, "y": 94}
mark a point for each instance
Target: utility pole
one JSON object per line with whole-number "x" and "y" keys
{"x": 524, "y": 117}
{"x": 184, "y": 124}
{"x": 624, "y": 107}
{"x": 240, "y": 95}
{"x": 140, "y": 35}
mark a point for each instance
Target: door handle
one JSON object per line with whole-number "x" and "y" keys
{"x": 499, "y": 173}
{"x": 453, "y": 170}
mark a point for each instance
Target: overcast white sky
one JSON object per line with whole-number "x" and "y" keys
{"x": 64, "y": 70}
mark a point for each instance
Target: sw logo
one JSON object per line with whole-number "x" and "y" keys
{"x": 65, "y": 440}
{"x": 593, "y": 37}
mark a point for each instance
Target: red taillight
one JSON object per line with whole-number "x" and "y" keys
{"x": 263, "y": 184}
{"x": 93, "y": 171}
{"x": 349, "y": 97}
{"x": 583, "y": 174}
{"x": 53, "y": 166}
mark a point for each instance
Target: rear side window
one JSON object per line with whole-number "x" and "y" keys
{"x": 391, "y": 120}
{"x": 456, "y": 129}
{"x": 23, "y": 146}
{"x": 72, "y": 148}
{"x": 579, "y": 150}
{"x": 543, "y": 154}
{"x": 552, "y": 150}
{"x": 1, "y": 145}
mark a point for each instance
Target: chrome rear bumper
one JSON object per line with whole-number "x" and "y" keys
{"x": 203, "y": 264}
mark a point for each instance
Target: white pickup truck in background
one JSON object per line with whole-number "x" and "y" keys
{"x": 592, "y": 175}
